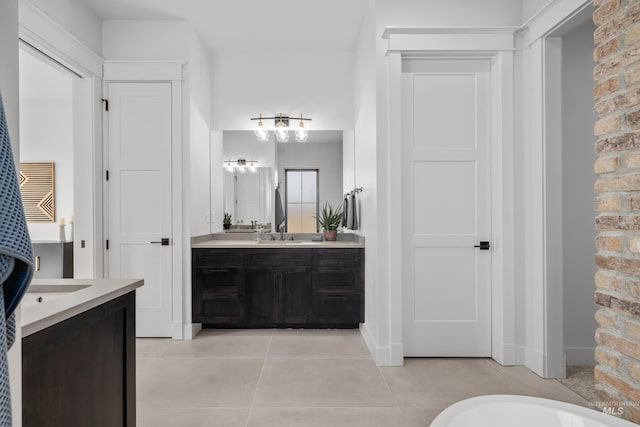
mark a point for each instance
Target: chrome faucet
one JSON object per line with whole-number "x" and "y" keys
{"x": 281, "y": 232}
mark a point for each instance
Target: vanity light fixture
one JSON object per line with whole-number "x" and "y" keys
{"x": 261, "y": 133}
{"x": 281, "y": 129}
{"x": 241, "y": 166}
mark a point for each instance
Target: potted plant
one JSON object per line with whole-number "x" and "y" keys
{"x": 226, "y": 221}
{"x": 330, "y": 219}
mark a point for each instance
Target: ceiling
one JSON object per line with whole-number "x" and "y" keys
{"x": 252, "y": 25}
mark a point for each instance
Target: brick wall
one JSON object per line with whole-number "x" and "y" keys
{"x": 617, "y": 131}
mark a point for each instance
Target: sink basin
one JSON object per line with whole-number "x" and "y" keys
{"x": 282, "y": 242}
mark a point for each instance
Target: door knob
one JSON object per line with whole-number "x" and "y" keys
{"x": 164, "y": 242}
{"x": 484, "y": 246}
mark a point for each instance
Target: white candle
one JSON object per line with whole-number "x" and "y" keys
{"x": 61, "y": 221}
{"x": 71, "y": 219}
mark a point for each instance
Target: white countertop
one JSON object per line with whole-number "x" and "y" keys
{"x": 64, "y": 298}
{"x": 266, "y": 244}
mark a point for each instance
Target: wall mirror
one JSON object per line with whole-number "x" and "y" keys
{"x": 305, "y": 174}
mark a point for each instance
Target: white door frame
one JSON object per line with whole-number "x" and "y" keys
{"x": 541, "y": 133}
{"x": 171, "y": 72}
{"x": 39, "y": 31}
{"x": 496, "y": 44}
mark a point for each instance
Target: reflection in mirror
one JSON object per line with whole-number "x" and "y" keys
{"x": 302, "y": 201}
{"x": 252, "y": 197}
{"x": 248, "y": 197}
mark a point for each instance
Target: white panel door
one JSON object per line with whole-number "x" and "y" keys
{"x": 446, "y": 208}
{"x": 139, "y": 198}
{"x": 247, "y": 197}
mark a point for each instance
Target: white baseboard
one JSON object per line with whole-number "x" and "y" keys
{"x": 510, "y": 355}
{"x": 186, "y": 331}
{"x": 580, "y": 355}
{"x": 534, "y": 361}
{"x": 383, "y": 356}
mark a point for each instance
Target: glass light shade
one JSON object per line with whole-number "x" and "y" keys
{"x": 252, "y": 167}
{"x": 282, "y": 133}
{"x": 301, "y": 134}
{"x": 229, "y": 167}
{"x": 242, "y": 169}
{"x": 261, "y": 133}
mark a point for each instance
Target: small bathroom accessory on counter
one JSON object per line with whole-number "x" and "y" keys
{"x": 63, "y": 233}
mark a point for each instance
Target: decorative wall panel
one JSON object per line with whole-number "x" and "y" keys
{"x": 37, "y": 186}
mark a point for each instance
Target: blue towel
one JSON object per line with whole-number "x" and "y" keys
{"x": 16, "y": 260}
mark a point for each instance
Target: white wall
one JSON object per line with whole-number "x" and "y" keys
{"x": 451, "y": 13}
{"x": 76, "y": 18}
{"x": 367, "y": 174}
{"x": 46, "y": 128}
{"x": 9, "y": 88}
{"x": 217, "y": 181}
{"x": 348, "y": 161}
{"x": 315, "y": 84}
{"x": 244, "y": 145}
{"x": 531, "y": 7}
{"x": 198, "y": 71}
{"x": 578, "y": 180}
{"x": 145, "y": 40}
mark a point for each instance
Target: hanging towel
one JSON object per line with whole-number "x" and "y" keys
{"x": 350, "y": 212}
{"x": 279, "y": 212}
{"x": 354, "y": 211}
{"x": 345, "y": 208}
{"x": 16, "y": 260}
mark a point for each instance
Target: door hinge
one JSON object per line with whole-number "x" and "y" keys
{"x": 106, "y": 104}
{"x": 107, "y": 244}
{"x": 107, "y": 175}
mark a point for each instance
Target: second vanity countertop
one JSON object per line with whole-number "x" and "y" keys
{"x": 50, "y": 301}
{"x": 239, "y": 241}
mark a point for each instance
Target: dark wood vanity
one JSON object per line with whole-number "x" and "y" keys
{"x": 313, "y": 287}
{"x": 81, "y": 371}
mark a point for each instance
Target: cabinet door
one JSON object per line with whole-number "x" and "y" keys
{"x": 294, "y": 295}
{"x": 339, "y": 309}
{"x": 260, "y": 284}
{"x": 219, "y": 296}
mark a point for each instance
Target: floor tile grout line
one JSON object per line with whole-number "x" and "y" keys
{"x": 255, "y": 393}
{"x": 517, "y": 384}
{"x": 511, "y": 380}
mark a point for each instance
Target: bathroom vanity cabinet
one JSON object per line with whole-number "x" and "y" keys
{"x": 81, "y": 371}
{"x": 283, "y": 287}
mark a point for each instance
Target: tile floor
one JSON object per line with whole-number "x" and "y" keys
{"x": 251, "y": 378}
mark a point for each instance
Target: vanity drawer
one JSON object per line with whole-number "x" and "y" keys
{"x": 217, "y": 257}
{"x": 222, "y": 308}
{"x": 220, "y": 277}
{"x": 338, "y": 258}
{"x": 337, "y": 308}
{"x": 278, "y": 257}
{"x": 337, "y": 278}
